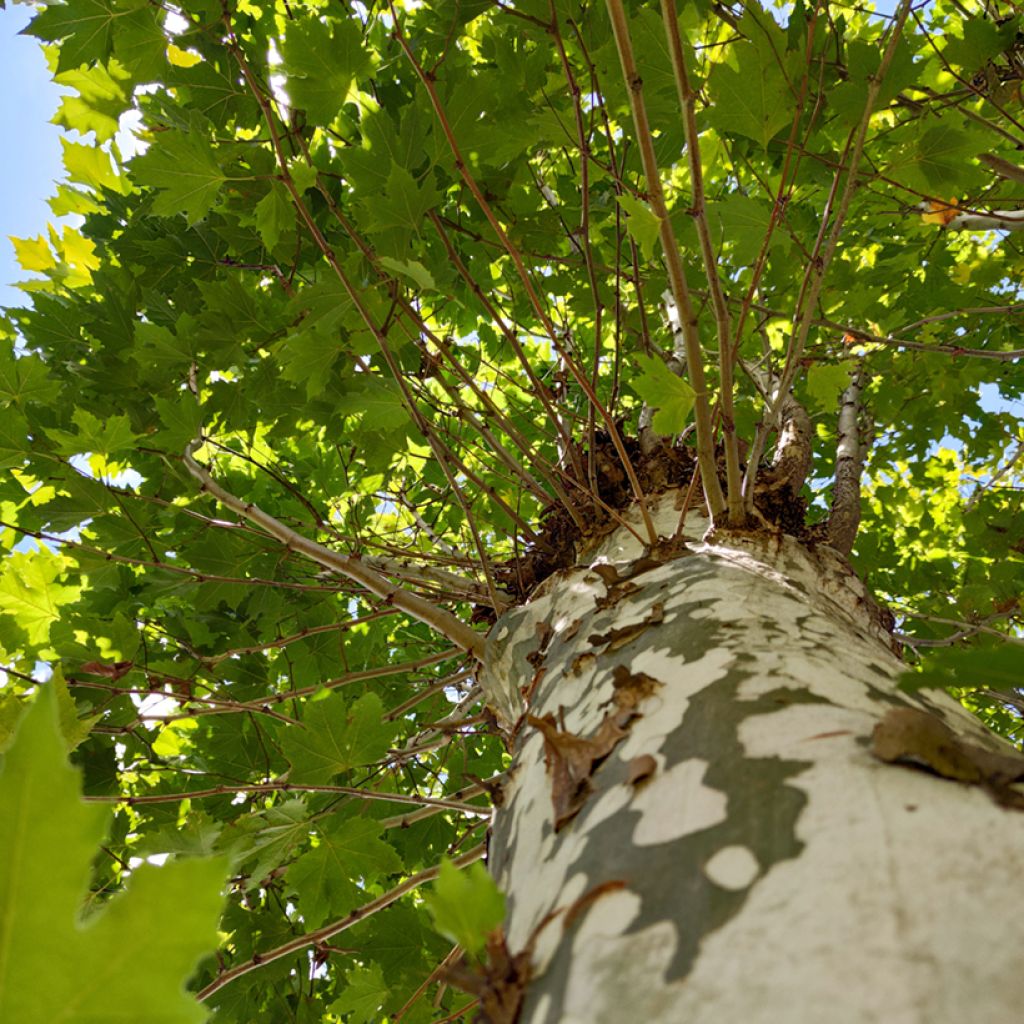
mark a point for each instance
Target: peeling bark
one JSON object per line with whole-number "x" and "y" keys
{"x": 740, "y": 854}
{"x": 791, "y": 461}
{"x": 844, "y": 516}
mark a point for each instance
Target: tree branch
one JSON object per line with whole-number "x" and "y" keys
{"x": 687, "y": 102}
{"x": 335, "y": 927}
{"x": 844, "y": 517}
{"x": 826, "y": 244}
{"x": 676, "y": 272}
{"x": 438, "y": 619}
{"x": 258, "y": 788}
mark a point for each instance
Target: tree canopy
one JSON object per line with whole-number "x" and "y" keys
{"x": 391, "y": 304}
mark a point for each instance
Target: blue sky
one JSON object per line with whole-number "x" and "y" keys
{"x": 28, "y": 100}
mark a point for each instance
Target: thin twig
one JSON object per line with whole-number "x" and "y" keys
{"x": 437, "y": 618}
{"x": 328, "y": 931}
{"x": 824, "y": 249}
{"x": 698, "y": 210}
{"x": 674, "y": 262}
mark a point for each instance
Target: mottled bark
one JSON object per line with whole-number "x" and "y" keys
{"x": 728, "y": 848}
{"x": 844, "y": 515}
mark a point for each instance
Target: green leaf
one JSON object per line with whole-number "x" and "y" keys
{"x": 378, "y": 405}
{"x": 661, "y": 389}
{"x": 337, "y": 737}
{"x": 30, "y": 593}
{"x": 363, "y": 994}
{"x": 160, "y": 352}
{"x": 939, "y": 159}
{"x": 321, "y": 61}
{"x": 274, "y": 215}
{"x": 643, "y": 226}
{"x": 184, "y": 166}
{"x": 826, "y": 382}
{"x": 14, "y": 438}
{"x": 744, "y": 222}
{"x": 140, "y": 43}
{"x": 466, "y": 905}
{"x": 85, "y": 27}
{"x": 411, "y": 269}
{"x": 90, "y": 166}
{"x": 99, "y": 437}
{"x": 983, "y": 665}
{"x": 99, "y": 104}
{"x": 182, "y": 417}
{"x": 941, "y": 153}
{"x": 750, "y": 99}
{"x": 404, "y": 203}
{"x": 73, "y": 726}
{"x": 25, "y": 379}
{"x": 325, "y": 303}
{"x": 349, "y": 851}
{"x": 982, "y": 40}
{"x": 385, "y": 144}
{"x": 126, "y": 962}
{"x": 267, "y": 840}
{"x": 307, "y": 357}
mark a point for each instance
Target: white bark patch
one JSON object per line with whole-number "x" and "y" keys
{"x": 675, "y": 802}
{"x": 733, "y": 867}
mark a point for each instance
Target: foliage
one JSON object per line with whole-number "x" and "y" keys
{"x": 121, "y": 961}
{"x": 399, "y": 270}
{"x": 466, "y": 905}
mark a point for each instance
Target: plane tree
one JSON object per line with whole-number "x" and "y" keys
{"x": 578, "y": 438}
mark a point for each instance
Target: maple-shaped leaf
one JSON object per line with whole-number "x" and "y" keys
{"x": 94, "y": 30}
{"x": 90, "y": 166}
{"x": 25, "y": 379}
{"x": 982, "y": 40}
{"x": 101, "y": 100}
{"x": 746, "y": 98}
{"x": 274, "y": 215}
{"x": 263, "y": 842}
{"x": 466, "y": 905}
{"x": 321, "y": 62}
{"x": 413, "y": 270}
{"x": 337, "y": 737}
{"x": 85, "y": 26}
{"x": 183, "y": 165}
{"x": 661, "y": 389}
{"x": 14, "y": 438}
{"x": 306, "y": 357}
{"x": 404, "y": 202}
{"x": 30, "y": 593}
{"x": 364, "y": 993}
{"x": 101, "y": 437}
{"x": 325, "y": 877}
{"x": 33, "y": 254}
{"x": 129, "y": 959}
{"x": 825, "y": 383}
{"x": 376, "y": 402}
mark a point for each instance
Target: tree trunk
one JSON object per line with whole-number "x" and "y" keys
{"x": 696, "y": 830}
